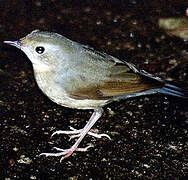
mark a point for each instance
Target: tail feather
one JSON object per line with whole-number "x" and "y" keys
{"x": 173, "y": 90}
{"x": 168, "y": 89}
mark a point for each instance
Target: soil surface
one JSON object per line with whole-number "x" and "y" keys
{"x": 149, "y": 133}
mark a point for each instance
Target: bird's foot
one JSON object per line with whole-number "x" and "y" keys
{"x": 77, "y": 133}
{"x": 65, "y": 152}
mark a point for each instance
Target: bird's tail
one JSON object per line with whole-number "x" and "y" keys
{"x": 168, "y": 89}
{"x": 173, "y": 90}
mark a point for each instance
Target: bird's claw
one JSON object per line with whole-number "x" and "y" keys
{"x": 65, "y": 152}
{"x": 77, "y": 133}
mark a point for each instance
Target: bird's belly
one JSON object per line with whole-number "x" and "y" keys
{"x": 58, "y": 95}
{"x": 64, "y": 99}
{"x": 79, "y": 104}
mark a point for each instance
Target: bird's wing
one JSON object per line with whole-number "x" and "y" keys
{"x": 121, "y": 79}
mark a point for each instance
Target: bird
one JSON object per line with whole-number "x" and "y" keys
{"x": 77, "y": 76}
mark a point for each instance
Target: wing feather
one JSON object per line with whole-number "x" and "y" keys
{"x": 120, "y": 81}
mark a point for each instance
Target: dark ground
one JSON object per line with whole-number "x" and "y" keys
{"x": 149, "y": 134}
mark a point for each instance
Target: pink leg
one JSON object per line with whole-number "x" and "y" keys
{"x": 67, "y": 152}
{"x": 73, "y": 133}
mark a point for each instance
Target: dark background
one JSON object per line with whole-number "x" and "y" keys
{"x": 149, "y": 134}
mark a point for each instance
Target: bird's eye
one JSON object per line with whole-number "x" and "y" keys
{"x": 39, "y": 49}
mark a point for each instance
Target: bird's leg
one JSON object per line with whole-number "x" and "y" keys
{"x": 77, "y": 133}
{"x": 67, "y": 152}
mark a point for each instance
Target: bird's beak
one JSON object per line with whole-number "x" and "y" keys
{"x": 14, "y": 43}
